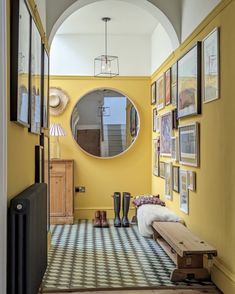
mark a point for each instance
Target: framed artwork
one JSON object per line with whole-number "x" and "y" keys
{"x": 211, "y": 70}
{"x": 153, "y": 93}
{"x": 175, "y": 121}
{"x": 165, "y": 134}
{"x": 154, "y": 119}
{"x": 191, "y": 180}
{"x": 189, "y": 82}
{"x": 45, "y": 89}
{"x": 174, "y": 73}
{"x": 162, "y": 169}
{"x": 175, "y": 148}
{"x": 39, "y": 164}
{"x": 175, "y": 178}
{"x": 20, "y": 61}
{"x": 35, "y": 93}
{"x": 160, "y": 92}
{"x": 156, "y": 157}
{"x": 133, "y": 121}
{"x": 168, "y": 180}
{"x": 168, "y": 86}
{"x": 183, "y": 180}
{"x": 189, "y": 144}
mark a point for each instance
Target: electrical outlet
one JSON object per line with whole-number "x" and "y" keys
{"x": 80, "y": 189}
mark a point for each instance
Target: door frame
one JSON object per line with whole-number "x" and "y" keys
{"x": 3, "y": 145}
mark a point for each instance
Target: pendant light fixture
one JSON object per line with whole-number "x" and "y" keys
{"x": 106, "y": 65}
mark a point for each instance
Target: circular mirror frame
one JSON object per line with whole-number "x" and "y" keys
{"x": 138, "y": 125}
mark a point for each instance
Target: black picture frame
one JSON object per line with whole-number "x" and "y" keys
{"x": 38, "y": 164}
{"x": 20, "y": 62}
{"x": 35, "y": 80}
{"x": 174, "y": 79}
{"x": 45, "y": 89}
{"x": 45, "y": 144}
{"x": 175, "y": 178}
{"x": 189, "y": 82}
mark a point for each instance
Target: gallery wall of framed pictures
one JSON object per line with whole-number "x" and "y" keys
{"x": 179, "y": 94}
{"x": 29, "y": 70}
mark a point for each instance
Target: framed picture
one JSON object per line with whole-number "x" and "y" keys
{"x": 165, "y": 134}
{"x": 174, "y": 73}
{"x": 175, "y": 178}
{"x": 191, "y": 180}
{"x": 175, "y": 121}
{"x": 183, "y": 180}
{"x": 45, "y": 89}
{"x": 168, "y": 180}
{"x": 175, "y": 148}
{"x": 156, "y": 157}
{"x": 39, "y": 164}
{"x": 35, "y": 93}
{"x": 154, "y": 120}
{"x": 20, "y": 61}
{"x": 189, "y": 82}
{"x": 160, "y": 90}
{"x": 211, "y": 70}
{"x": 153, "y": 93}
{"x": 189, "y": 144}
{"x": 133, "y": 121}
{"x": 162, "y": 169}
{"x": 168, "y": 86}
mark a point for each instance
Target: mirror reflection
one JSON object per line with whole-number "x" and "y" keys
{"x": 104, "y": 123}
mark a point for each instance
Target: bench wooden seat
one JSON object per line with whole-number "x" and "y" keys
{"x": 184, "y": 248}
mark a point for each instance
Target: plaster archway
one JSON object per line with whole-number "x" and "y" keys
{"x": 153, "y": 9}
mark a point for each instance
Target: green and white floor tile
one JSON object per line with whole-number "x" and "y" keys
{"x": 83, "y": 257}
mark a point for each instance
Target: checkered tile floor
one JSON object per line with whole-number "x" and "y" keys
{"x": 83, "y": 257}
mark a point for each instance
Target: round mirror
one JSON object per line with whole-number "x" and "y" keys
{"x": 104, "y": 123}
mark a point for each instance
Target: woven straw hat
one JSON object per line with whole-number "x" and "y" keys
{"x": 58, "y": 101}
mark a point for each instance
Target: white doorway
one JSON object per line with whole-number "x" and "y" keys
{"x": 3, "y": 147}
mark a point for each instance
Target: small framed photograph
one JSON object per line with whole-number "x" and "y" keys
{"x": 133, "y": 121}
{"x": 168, "y": 86}
{"x": 156, "y": 171}
{"x": 189, "y": 82}
{"x": 175, "y": 121}
{"x": 184, "y": 200}
{"x": 153, "y": 93}
{"x": 192, "y": 180}
{"x": 175, "y": 178}
{"x": 174, "y": 73}
{"x": 211, "y": 66}
{"x": 35, "y": 93}
{"x": 189, "y": 144}
{"x": 154, "y": 119}
{"x": 20, "y": 63}
{"x": 175, "y": 148}
{"x": 162, "y": 169}
{"x": 39, "y": 164}
{"x": 168, "y": 180}
{"x": 160, "y": 89}
{"x": 166, "y": 133}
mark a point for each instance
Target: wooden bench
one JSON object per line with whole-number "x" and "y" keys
{"x": 185, "y": 249}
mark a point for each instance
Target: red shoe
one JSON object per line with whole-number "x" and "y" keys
{"x": 103, "y": 218}
{"x": 97, "y": 220}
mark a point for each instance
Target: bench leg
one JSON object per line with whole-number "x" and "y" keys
{"x": 178, "y": 275}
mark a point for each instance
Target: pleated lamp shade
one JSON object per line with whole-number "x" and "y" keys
{"x": 56, "y": 130}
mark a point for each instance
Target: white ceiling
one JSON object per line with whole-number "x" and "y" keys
{"x": 126, "y": 19}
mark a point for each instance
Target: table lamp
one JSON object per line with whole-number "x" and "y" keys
{"x": 56, "y": 131}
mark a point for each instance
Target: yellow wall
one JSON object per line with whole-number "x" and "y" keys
{"x": 101, "y": 177}
{"x": 212, "y": 207}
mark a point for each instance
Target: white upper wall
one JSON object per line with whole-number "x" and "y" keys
{"x": 74, "y": 54}
{"x": 193, "y": 13}
{"x": 161, "y": 47}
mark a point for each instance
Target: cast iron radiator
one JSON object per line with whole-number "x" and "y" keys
{"x": 27, "y": 240}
